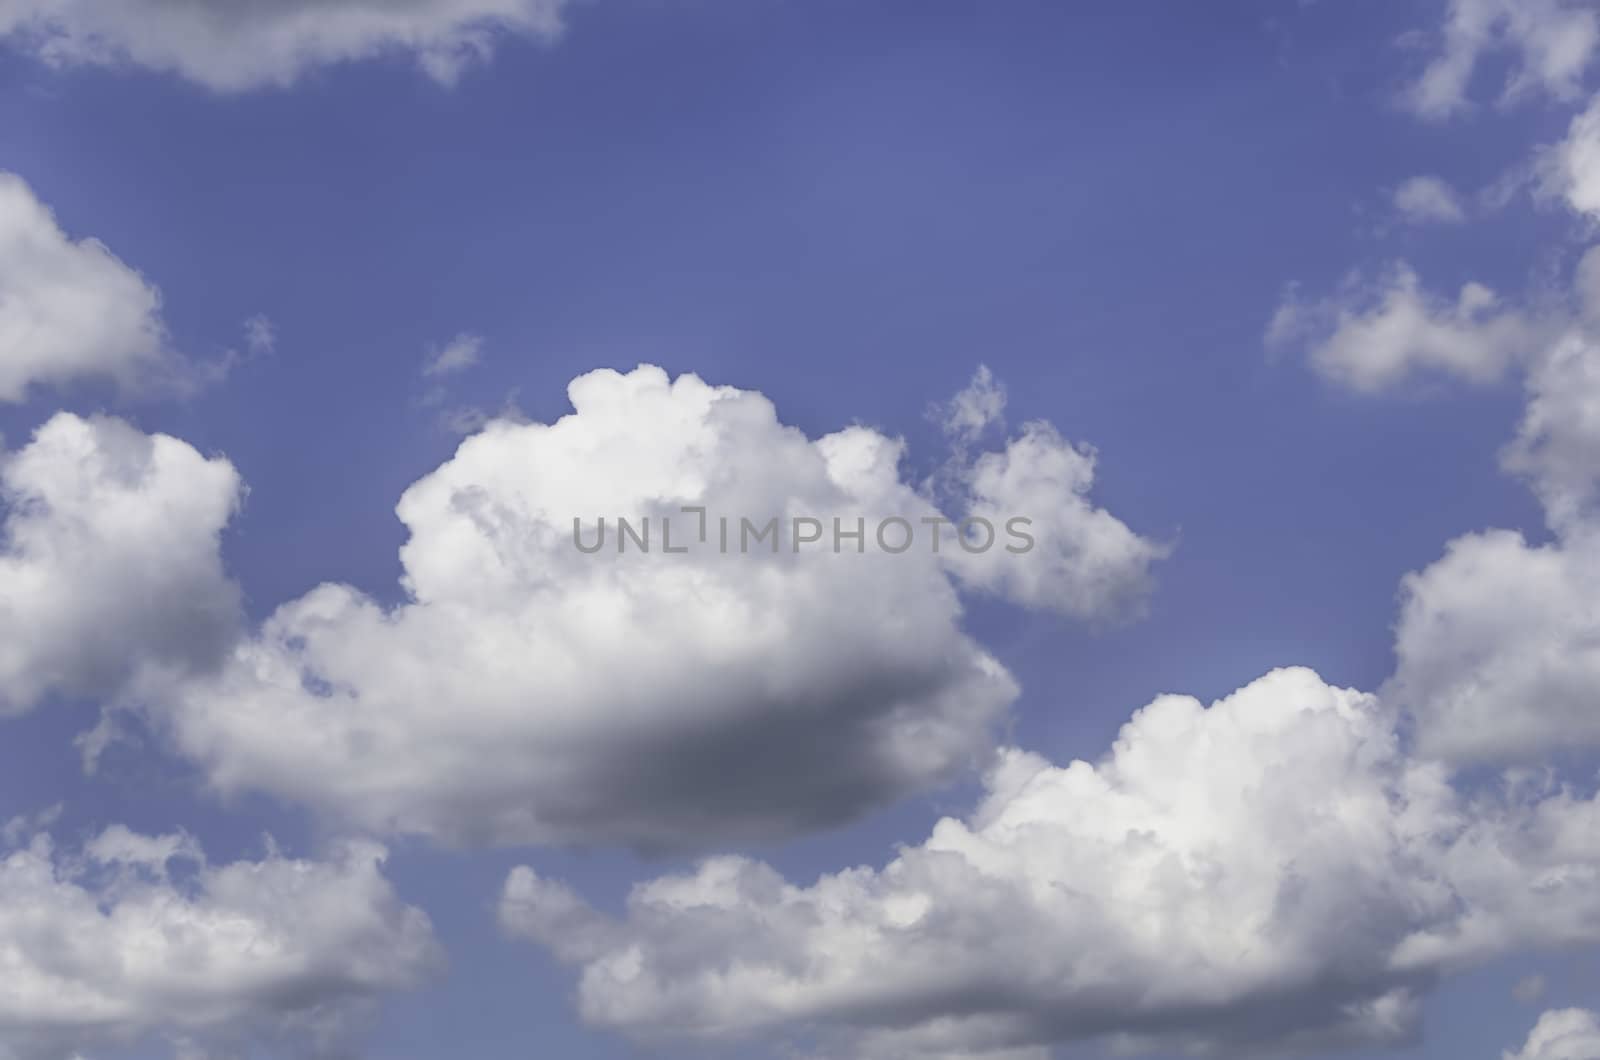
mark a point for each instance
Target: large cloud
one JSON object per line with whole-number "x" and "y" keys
{"x": 531, "y": 692}
{"x": 232, "y": 45}
{"x": 137, "y": 936}
{"x": 71, "y": 309}
{"x": 1271, "y": 870}
{"x": 1561, "y": 1034}
{"x": 109, "y": 560}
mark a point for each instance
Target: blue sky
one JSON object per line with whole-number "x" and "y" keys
{"x": 846, "y": 208}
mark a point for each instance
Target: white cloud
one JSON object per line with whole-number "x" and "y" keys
{"x": 232, "y": 47}
{"x": 1425, "y": 199}
{"x": 1069, "y": 556}
{"x": 1551, "y": 43}
{"x": 1562, "y": 1034}
{"x": 529, "y": 692}
{"x": 1570, "y": 169}
{"x": 1053, "y": 549}
{"x": 1272, "y": 870}
{"x": 109, "y": 559}
{"x": 1498, "y": 642}
{"x": 979, "y": 405}
{"x": 459, "y": 354}
{"x": 24, "y": 825}
{"x": 72, "y": 310}
{"x": 1498, "y": 647}
{"x": 1370, "y": 337}
{"x": 1557, "y": 446}
{"x": 137, "y": 936}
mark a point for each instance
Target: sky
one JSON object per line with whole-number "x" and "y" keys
{"x": 321, "y": 323}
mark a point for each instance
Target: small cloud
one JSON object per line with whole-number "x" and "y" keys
{"x": 260, "y": 340}
{"x": 1529, "y": 989}
{"x": 1370, "y": 336}
{"x": 1429, "y": 200}
{"x": 470, "y": 419}
{"x": 24, "y": 827}
{"x": 260, "y": 337}
{"x": 461, "y": 353}
{"x": 980, "y": 405}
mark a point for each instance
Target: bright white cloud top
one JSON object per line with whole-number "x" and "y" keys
{"x": 232, "y": 47}
{"x": 529, "y": 692}
{"x": 71, "y": 309}
{"x": 136, "y": 936}
{"x": 109, "y": 560}
{"x": 1271, "y": 870}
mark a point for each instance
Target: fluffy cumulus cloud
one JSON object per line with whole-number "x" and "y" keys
{"x": 1271, "y": 870}
{"x": 109, "y": 560}
{"x": 1498, "y": 647}
{"x": 1547, "y": 45}
{"x": 1498, "y": 643}
{"x": 791, "y": 662}
{"x": 1561, "y": 1034}
{"x": 1056, "y": 550}
{"x": 136, "y": 937}
{"x": 1372, "y": 336}
{"x": 70, "y": 309}
{"x": 237, "y": 45}
{"x": 1069, "y": 555}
